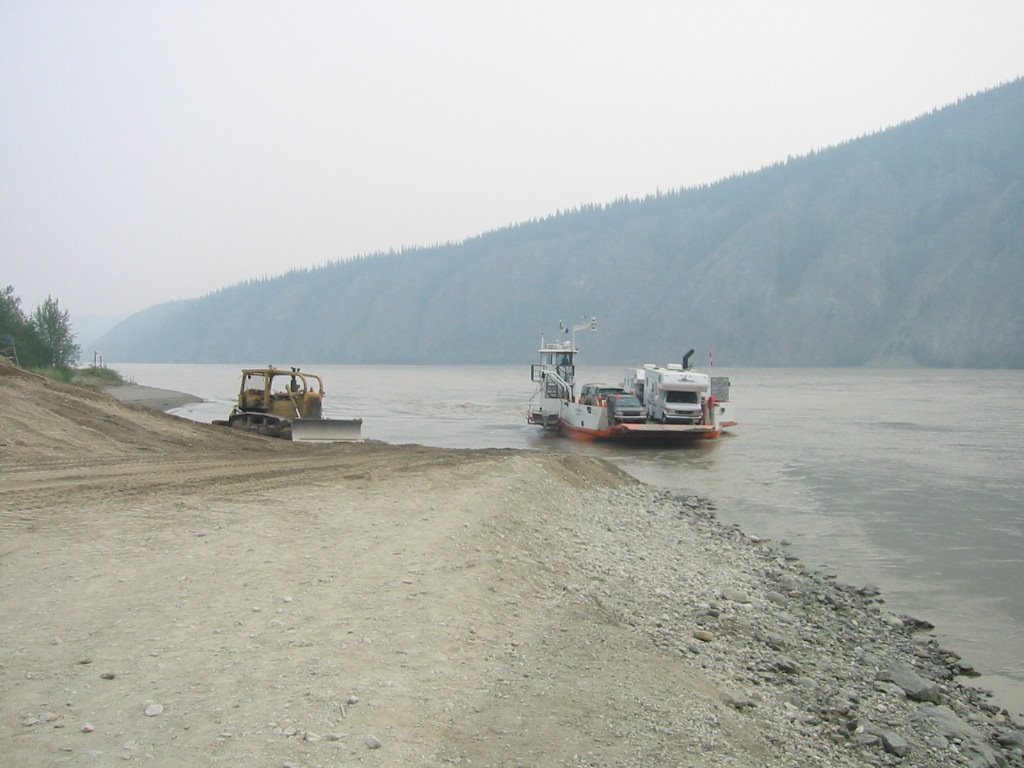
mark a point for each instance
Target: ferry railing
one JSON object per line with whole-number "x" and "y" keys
{"x": 552, "y": 386}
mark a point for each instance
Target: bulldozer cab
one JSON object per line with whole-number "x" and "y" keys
{"x": 286, "y": 394}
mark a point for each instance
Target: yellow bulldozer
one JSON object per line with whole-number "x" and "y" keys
{"x": 287, "y": 403}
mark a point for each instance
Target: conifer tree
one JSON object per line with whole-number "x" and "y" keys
{"x": 53, "y": 325}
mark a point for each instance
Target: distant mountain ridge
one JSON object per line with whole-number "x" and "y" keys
{"x": 905, "y": 247}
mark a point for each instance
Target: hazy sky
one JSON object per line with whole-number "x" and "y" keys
{"x": 159, "y": 150}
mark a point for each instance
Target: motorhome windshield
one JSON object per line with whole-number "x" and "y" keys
{"x": 673, "y": 396}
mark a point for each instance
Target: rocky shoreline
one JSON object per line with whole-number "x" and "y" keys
{"x": 813, "y": 664}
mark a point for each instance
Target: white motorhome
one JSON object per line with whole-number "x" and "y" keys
{"x": 633, "y": 380}
{"x": 675, "y": 395}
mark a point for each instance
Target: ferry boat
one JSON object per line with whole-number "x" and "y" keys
{"x": 652, "y": 405}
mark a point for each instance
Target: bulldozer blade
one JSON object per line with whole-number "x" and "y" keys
{"x": 326, "y": 430}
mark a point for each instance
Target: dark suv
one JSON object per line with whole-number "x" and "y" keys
{"x": 591, "y": 393}
{"x": 624, "y": 408}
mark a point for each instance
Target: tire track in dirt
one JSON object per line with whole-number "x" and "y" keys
{"x": 67, "y": 494}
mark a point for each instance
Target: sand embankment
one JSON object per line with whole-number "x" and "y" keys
{"x": 182, "y": 594}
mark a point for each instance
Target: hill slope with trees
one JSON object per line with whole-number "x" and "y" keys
{"x": 905, "y": 247}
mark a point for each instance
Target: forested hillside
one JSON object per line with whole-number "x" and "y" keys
{"x": 901, "y": 248}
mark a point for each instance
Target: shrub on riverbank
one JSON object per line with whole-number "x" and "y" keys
{"x": 97, "y": 376}
{"x": 93, "y": 376}
{"x": 65, "y": 375}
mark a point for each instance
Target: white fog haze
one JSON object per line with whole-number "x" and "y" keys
{"x": 157, "y": 151}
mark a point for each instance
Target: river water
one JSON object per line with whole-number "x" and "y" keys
{"x": 912, "y": 481}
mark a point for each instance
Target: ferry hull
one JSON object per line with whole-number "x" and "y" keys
{"x": 641, "y": 434}
{"x": 592, "y": 423}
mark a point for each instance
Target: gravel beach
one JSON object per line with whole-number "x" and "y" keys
{"x": 151, "y": 397}
{"x": 180, "y": 594}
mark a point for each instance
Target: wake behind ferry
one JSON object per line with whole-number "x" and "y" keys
{"x": 653, "y": 404}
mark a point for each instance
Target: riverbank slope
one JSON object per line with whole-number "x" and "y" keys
{"x": 182, "y": 593}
